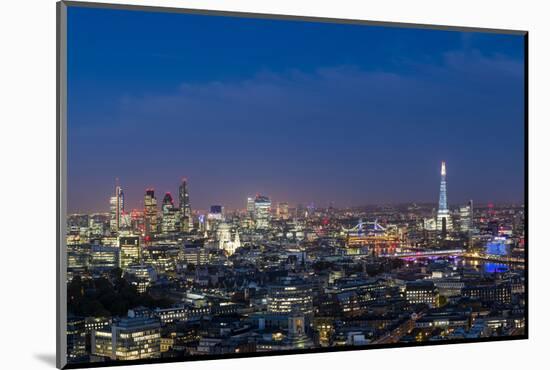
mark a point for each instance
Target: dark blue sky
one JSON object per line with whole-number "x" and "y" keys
{"x": 300, "y": 111}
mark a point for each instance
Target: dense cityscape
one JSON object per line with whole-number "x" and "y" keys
{"x": 170, "y": 281}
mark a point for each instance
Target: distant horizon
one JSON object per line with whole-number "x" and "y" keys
{"x": 300, "y": 111}
{"x": 318, "y": 205}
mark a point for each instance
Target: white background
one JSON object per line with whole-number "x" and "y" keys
{"x": 27, "y": 186}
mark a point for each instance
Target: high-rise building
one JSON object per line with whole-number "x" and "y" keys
{"x": 137, "y": 219}
{"x": 117, "y": 209}
{"x": 466, "y": 217}
{"x": 262, "y": 211}
{"x": 125, "y": 221}
{"x": 150, "y": 212}
{"x": 170, "y": 216}
{"x": 130, "y": 252}
{"x": 443, "y": 221}
{"x": 282, "y": 211}
{"x": 250, "y": 206}
{"x": 185, "y": 207}
{"x": 167, "y": 202}
{"x": 104, "y": 258}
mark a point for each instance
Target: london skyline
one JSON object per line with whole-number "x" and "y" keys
{"x": 365, "y": 126}
{"x": 240, "y": 187}
{"x": 160, "y": 194}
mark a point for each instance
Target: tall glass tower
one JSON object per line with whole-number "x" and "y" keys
{"x": 262, "y": 211}
{"x": 117, "y": 208}
{"x": 185, "y": 207}
{"x": 150, "y": 212}
{"x": 444, "y": 222}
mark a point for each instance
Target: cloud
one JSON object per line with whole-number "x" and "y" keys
{"x": 342, "y": 127}
{"x": 332, "y": 95}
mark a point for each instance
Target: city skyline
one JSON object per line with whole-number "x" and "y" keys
{"x": 350, "y": 130}
{"x": 160, "y": 194}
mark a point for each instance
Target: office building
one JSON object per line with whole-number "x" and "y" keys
{"x": 194, "y": 253}
{"x": 150, "y": 212}
{"x": 131, "y": 338}
{"x": 262, "y": 212}
{"x": 186, "y": 222}
{"x": 104, "y": 258}
{"x": 467, "y": 217}
{"x": 76, "y": 339}
{"x": 116, "y": 209}
{"x": 170, "y": 216}
{"x": 130, "y": 251}
{"x": 422, "y": 292}
{"x": 290, "y": 295}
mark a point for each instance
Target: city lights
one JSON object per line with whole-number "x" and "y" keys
{"x": 263, "y": 279}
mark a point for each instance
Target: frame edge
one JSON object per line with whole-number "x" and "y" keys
{"x": 61, "y": 184}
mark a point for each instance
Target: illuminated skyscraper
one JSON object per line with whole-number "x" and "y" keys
{"x": 170, "y": 222}
{"x": 150, "y": 212}
{"x": 167, "y": 202}
{"x": 117, "y": 209}
{"x": 130, "y": 251}
{"x": 137, "y": 219}
{"x": 444, "y": 222}
{"x": 185, "y": 207}
{"x": 467, "y": 217}
{"x": 262, "y": 211}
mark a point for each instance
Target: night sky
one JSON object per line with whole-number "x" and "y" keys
{"x": 302, "y": 112}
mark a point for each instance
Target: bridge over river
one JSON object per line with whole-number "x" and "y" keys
{"x": 455, "y": 253}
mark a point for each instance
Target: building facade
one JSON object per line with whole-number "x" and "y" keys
{"x": 262, "y": 212}
{"x": 131, "y": 338}
{"x": 117, "y": 209}
{"x": 150, "y": 212}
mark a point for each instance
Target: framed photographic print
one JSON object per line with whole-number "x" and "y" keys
{"x": 235, "y": 185}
